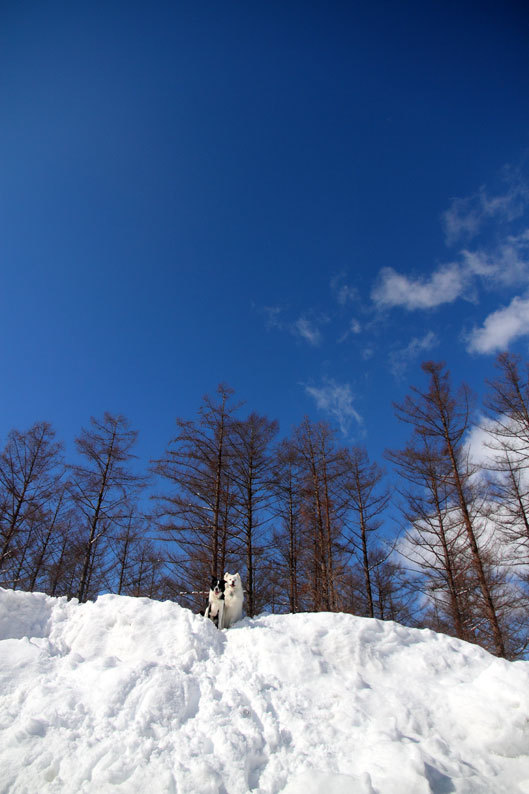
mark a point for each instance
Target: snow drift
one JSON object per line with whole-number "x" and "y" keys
{"x": 132, "y": 695}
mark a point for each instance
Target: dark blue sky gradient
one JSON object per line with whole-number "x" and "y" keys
{"x": 169, "y": 173}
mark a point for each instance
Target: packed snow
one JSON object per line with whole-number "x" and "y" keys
{"x": 133, "y": 695}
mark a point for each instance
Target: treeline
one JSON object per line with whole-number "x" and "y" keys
{"x": 310, "y": 524}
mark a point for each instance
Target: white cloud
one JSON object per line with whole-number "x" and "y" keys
{"x": 336, "y": 399}
{"x": 307, "y": 330}
{"x": 485, "y": 450}
{"x": 488, "y": 266}
{"x": 466, "y": 216}
{"x": 400, "y": 359}
{"x": 462, "y": 219}
{"x": 501, "y": 327}
{"x": 478, "y": 442}
{"x": 507, "y": 264}
{"x": 445, "y": 285}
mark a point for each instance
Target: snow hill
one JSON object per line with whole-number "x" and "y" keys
{"x": 131, "y": 695}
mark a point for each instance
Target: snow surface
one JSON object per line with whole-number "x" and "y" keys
{"x": 133, "y": 695}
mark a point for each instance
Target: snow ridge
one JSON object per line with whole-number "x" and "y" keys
{"x": 132, "y": 695}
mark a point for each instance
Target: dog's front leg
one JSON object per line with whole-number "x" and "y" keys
{"x": 206, "y": 613}
{"x": 220, "y": 616}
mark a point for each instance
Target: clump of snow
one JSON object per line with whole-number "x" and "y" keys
{"x": 132, "y": 695}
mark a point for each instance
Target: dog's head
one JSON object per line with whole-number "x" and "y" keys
{"x": 217, "y": 586}
{"x": 233, "y": 581}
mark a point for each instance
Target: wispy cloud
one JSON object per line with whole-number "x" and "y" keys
{"x": 501, "y": 327}
{"x": 308, "y": 330}
{"x": 465, "y": 217}
{"x": 343, "y": 292}
{"x": 336, "y": 400}
{"x": 368, "y": 352}
{"x": 401, "y": 359}
{"x": 354, "y": 329}
{"x": 507, "y": 263}
{"x": 273, "y": 316}
{"x": 306, "y": 327}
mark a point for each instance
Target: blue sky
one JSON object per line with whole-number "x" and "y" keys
{"x": 303, "y": 200}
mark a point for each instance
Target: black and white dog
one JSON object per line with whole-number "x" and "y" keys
{"x": 215, "y": 607}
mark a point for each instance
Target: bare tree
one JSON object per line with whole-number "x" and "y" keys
{"x": 102, "y": 487}
{"x": 251, "y": 474}
{"x": 62, "y": 570}
{"x": 197, "y": 513}
{"x": 30, "y": 472}
{"x": 366, "y": 503}
{"x": 126, "y": 543}
{"x": 49, "y": 529}
{"x": 323, "y": 508}
{"x": 149, "y": 573}
{"x": 443, "y": 418}
{"x": 508, "y": 406}
{"x": 433, "y": 538}
{"x": 508, "y": 428}
{"x": 394, "y": 589}
{"x": 287, "y": 511}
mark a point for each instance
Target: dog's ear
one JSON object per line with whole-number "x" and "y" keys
{"x": 213, "y": 581}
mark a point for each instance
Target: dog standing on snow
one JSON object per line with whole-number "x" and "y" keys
{"x": 215, "y": 607}
{"x": 233, "y": 599}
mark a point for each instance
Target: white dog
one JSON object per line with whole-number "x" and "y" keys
{"x": 233, "y": 598}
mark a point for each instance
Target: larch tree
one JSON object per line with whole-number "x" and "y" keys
{"x": 443, "y": 418}
{"x": 394, "y": 590}
{"x": 50, "y": 529}
{"x": 434, "y": 536}
{"x": 127, "y": 542}
{"x": 196, "y": 514}
{"x": 102, "y": 487}
{"x": 323, "y": 508}
{"x": 367, "y": 500}
{"x": 507, "y": 404}
{"x": 251, "y": 475}
{"x": 288, "y": 540}
{"x": 30, "y": 474}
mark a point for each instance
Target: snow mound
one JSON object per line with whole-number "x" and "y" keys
{"x": 131, "y": 695}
